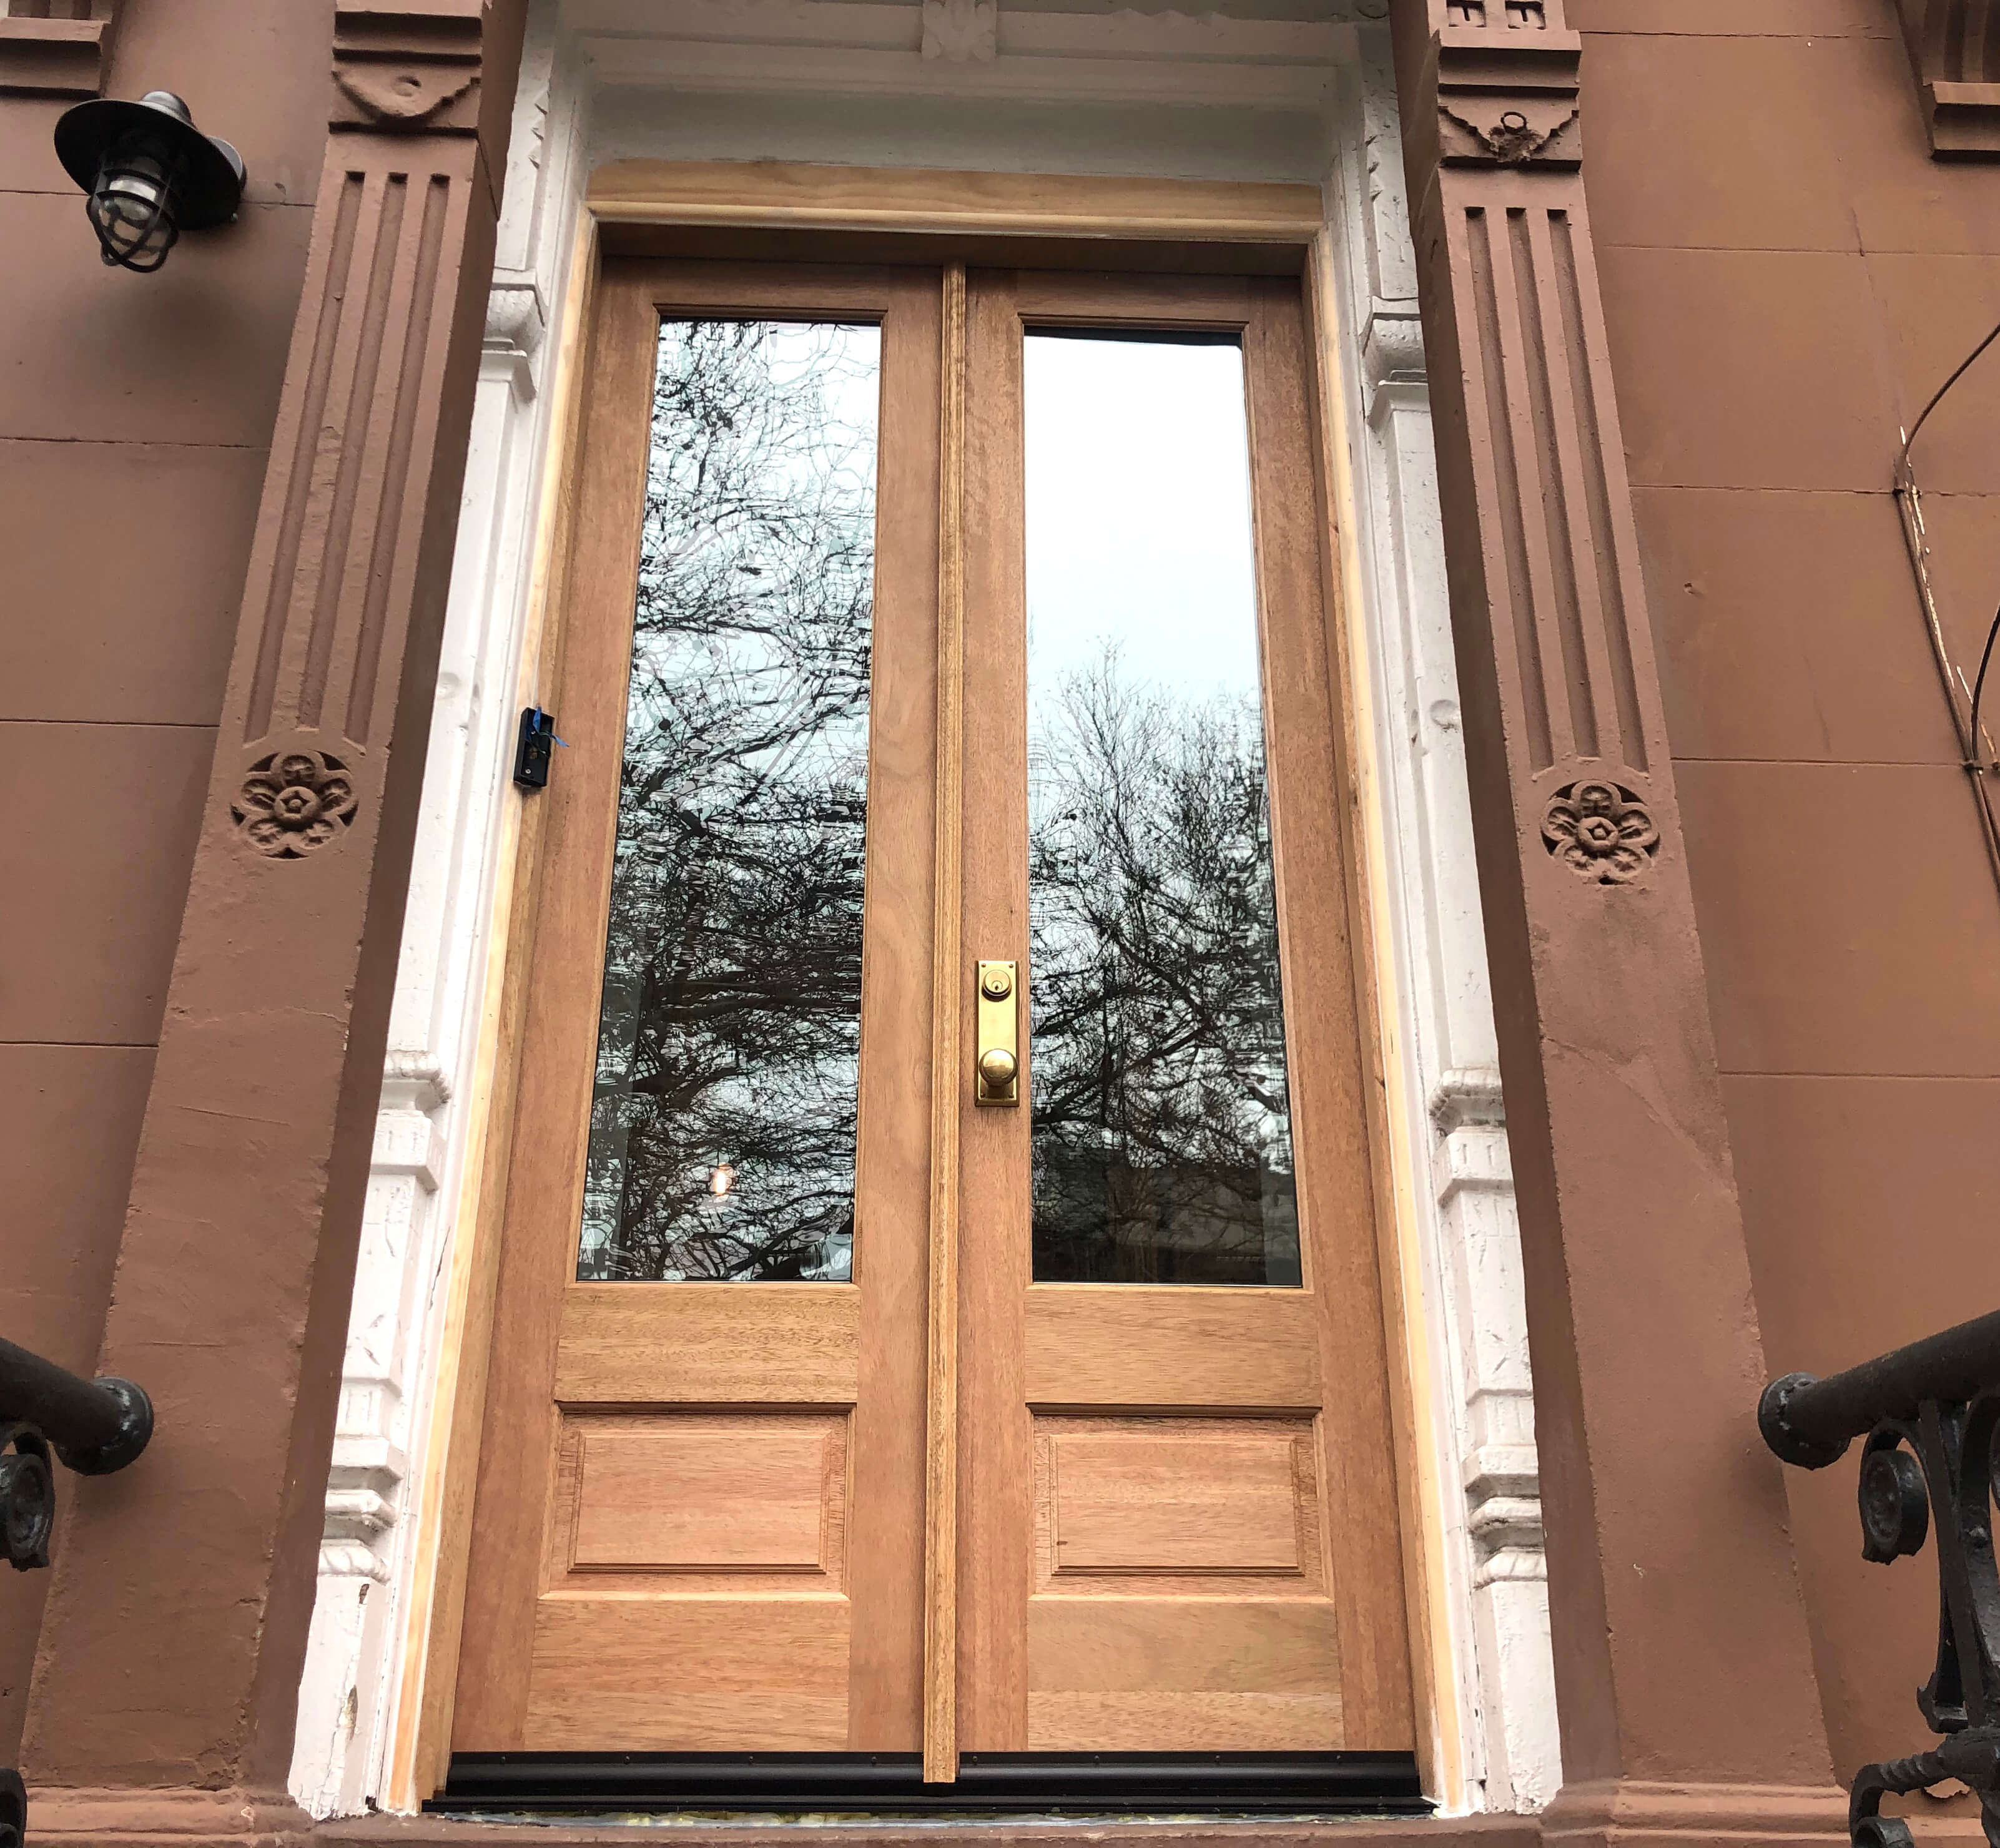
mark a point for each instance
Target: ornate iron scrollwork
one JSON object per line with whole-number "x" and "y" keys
{"x": 48, "y": 1416}
{"x": 27, "y": 1495}
{"x": 1931, "y": 1416}
{"x": 13, "y": 1810}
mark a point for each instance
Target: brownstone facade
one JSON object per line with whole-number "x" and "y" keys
{"x": 1688, "y": 270}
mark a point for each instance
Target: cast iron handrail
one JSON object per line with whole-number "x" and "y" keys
{"x": 1930, "y": 1413}
{"x": 93, "y": 1426}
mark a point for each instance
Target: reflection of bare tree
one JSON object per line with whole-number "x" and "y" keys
{"x": 722, "y": 1136}
{"x": 1161, "y": 1131}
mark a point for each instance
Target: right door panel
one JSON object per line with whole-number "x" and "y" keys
{"x": 1178, "y": 1501}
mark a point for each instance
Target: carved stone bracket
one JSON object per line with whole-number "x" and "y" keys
{"x": 1507, "y": 84}
{"x": 407, "y": 63}
{"x": 1958, "y": 60}
{"x": 56, "y": 57}
{"x": 961, "y": 31}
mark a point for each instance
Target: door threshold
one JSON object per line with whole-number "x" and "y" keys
{"x": 710, "y": 1786}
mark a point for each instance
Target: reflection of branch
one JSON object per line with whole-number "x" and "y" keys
{"x": 736, "y": 909}
{"x": 1160, "y": 1124}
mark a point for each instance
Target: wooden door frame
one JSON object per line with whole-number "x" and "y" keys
{"x": 779, "y": 210}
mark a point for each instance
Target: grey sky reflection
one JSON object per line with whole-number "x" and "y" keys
{"x": 1138, "y": 514}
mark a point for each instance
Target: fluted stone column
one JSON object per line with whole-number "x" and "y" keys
{"x": 166, "y": 1684}
{"x": 1690, "y": 1710}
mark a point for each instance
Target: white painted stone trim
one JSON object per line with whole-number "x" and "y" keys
{"x": 352, "y": 1684}
{"x": 1223, "y": 95}
{"x": 1474, "y": 1308}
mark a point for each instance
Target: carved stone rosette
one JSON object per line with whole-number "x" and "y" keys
{"x": 293, "y": 802}
{"x": 1600, "y": 832}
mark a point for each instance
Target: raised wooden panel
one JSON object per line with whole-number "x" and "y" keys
{"x": 705, "y": 1493}
{"x": 1124, "y": 1344}
{"x": 1182, "y": 1675}
{"x": 1161, "y": 1495}
{"x": 687, "y": 1344}
{"x": 689, "y": 1675}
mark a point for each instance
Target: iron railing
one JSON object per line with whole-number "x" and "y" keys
{"x": 1930, "y": 1415}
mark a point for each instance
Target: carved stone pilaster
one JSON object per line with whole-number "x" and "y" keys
{"x": 1957, "y": 58}
{"x": 237, "y": 1256}
{"x": 1641, "y": 1321}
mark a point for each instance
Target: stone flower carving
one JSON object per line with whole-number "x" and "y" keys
{"x": 293, "y": 802}
{"x": 1600, "y": 832}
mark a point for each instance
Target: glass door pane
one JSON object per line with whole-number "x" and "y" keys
{"x": 722, "y": 1134}
{"x": 1160, "y": 1118}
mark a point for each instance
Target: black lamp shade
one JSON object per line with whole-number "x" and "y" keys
{"x": 150, "y": 172}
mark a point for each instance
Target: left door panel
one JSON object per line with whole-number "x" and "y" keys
{"x": 700, "y": 1518}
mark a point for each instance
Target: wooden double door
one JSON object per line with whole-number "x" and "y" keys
{"x": 939, "y": 1306}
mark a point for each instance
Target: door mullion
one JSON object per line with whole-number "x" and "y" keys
{"x": 941, "y": 1418}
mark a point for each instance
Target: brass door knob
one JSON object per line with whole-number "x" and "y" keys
{"x": 996, "y": 1056}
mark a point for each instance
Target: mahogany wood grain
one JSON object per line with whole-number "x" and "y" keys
{"x": 1240, "y": 1674}
{"x": 941, "y": 1426}
{"x": 1323, "y": 1025}
{"x": 552, "y": 1100}
{"x": 893, "y": 1162}
{"x": 795, "y": 196}
{"x": 1082, "y": 1664}
{"x": 420, "y": 1750}
{"x": 1141, "y": 1345}
{"x": 1166, "y": 1496}
{"x": 540, "y": 1657}
{"x": 711, "y": 1674}
{"x": 721, "y": 1501}
{"x": 941, "y": 1506}
{"x": 995, "y": 1551}
{"x": 708, "y": 1343}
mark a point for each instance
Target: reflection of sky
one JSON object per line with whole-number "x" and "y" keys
{"x": 1138, "y": 506}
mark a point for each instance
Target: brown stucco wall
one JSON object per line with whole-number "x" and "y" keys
{"x": 1787, "y": 275}
{"x": 134, "y": 415}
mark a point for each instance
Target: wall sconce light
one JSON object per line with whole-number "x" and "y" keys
{"x": 150, "y": 172}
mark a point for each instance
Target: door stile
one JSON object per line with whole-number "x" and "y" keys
{"x": 893, "y": 1165}
{"x": 843, "y": 1363}
{"x": 941, "y": 1407}
{"x": 580, "y": 823}
{"x": 996, "y": 1452}
{"x": 1355, "y": 1439}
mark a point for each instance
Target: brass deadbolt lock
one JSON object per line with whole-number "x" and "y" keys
{"x": 997, "y": 1054}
